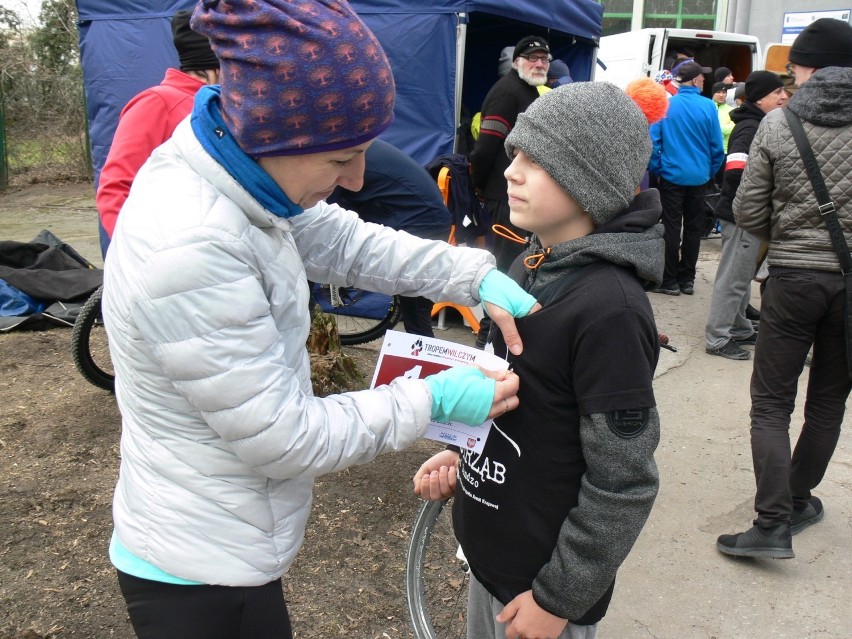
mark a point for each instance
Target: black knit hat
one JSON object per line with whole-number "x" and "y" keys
{"x": 759, "y": 84}
{"x": 826, "y": 42}
{"x": 717, "y": 87}
{"x": 193, "y": 49}
{"x": 721, "y": 73}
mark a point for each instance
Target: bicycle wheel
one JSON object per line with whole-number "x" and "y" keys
{"x": 361, "y": 316}
{"x": 436, "y": 576}
{"x": 89, "y": 345}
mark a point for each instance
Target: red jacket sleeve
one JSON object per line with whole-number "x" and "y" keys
{"x": 144, "y": 125}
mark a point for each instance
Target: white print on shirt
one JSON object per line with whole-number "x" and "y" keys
{"x": 508, "y": 439}
{"x": 485, "y": 468}
{"x": 485, "y": 502}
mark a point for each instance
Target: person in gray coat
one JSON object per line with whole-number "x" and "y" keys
{"x": 803, "y": 298}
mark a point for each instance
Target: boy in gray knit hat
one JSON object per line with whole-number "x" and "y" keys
{"x": 569, "y": 476}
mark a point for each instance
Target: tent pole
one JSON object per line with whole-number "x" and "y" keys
{"x": 461, "y": 41}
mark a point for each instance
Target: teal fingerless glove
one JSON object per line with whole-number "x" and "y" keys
{"x": 499, "y": 289}
{"x": 462, "y": 394}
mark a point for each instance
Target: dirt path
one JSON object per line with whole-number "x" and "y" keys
{"x": 58, "y": 464}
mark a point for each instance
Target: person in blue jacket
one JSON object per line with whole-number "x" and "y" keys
{"x": 688, "y": 151}
{"x": 399, "y": 193}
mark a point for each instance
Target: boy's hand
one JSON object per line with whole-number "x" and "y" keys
{"x": 525, "y": 619}
{"x": 436, "y": 478}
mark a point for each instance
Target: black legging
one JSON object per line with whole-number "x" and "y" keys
{"x": 168, "y": 611}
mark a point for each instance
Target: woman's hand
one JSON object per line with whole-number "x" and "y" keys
{"x": 504, "y": 301}
{"x": 471, "y": 395}
{"x": 506, "y": 323}
{"x": 505, "y": 392}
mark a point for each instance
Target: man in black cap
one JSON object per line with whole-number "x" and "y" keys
{"x": 803, "y": 298}
{"x": 509, "y": 96}
{"x": 150, "y": 118}
{"x": 687, "y": 154}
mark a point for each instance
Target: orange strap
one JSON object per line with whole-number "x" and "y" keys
{"x": 530, "y": 261}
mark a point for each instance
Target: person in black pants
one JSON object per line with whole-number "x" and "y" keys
{"x": 401, "y": 194}
{"x": 688, "y": 151}
{"x": 803, "y": 298}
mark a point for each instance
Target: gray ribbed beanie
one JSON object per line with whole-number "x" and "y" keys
{"x": 590, "y": 137}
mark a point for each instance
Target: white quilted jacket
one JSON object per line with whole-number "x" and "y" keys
{"x": 206, "y": 306}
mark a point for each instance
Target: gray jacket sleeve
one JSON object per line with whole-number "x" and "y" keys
{"x": 616, "y": 496}
{"x": 753, "y": 202}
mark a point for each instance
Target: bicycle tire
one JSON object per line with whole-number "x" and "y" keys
{"x": 89, "y": 346}
{"x": 355, "y": 329}
{"x": 436, "y": 577}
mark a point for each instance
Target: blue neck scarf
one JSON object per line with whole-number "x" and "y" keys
{"x": 214, "y": 136}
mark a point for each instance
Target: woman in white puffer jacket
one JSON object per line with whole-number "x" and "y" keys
{"x": 206, "y": 306}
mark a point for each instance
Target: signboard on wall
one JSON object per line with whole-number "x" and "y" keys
{"x": 795, "y": 22}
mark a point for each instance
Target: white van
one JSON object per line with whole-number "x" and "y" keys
{"x": 623, "y": 57}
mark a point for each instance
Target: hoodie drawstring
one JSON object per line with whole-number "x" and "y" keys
{"x": 530, "y": 261}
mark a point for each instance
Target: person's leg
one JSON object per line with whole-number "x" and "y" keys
{"x": 671, "y": 199}
{"x": 580, "y": 632}
{"x": 828, "y": 389}
{"x": 482, "y": 609}
{"x": 167, "y": 611}
{"x": 790, "y": 310}
{"x": 723, "y": 300}
{"x": 417, "y": 315}
{"x": 693, "y": 225}
{"x": 730, "y": 298}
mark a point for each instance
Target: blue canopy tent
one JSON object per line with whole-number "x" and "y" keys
{"x": 444, "y": 54}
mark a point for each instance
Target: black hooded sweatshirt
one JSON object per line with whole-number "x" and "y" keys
{"x": 746, "y": 118}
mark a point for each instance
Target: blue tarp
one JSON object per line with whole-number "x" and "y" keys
{"x": 126, "y": 47}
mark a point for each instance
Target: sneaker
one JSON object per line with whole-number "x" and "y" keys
{"x": 751, "y": 340}
{"x": 807, "y": 516}
{"x": 752, "y": 313}
{"x": 666, "y": 290}
{"x": 774, "y": 543}
{"x": 731, "y": 350}
{"x": 687, "y": 288}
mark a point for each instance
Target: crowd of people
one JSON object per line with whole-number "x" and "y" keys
{"x": 220, "y": 229}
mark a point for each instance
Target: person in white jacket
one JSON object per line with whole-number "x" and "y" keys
{"x": 206, "y": 306}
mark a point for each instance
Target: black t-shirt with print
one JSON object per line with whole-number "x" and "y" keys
{"x": 592, "y": 350}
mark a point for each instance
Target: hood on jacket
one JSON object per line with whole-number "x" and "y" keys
{"x": 824, "y": 100}
{"x": 747, "y": 111}
{"x": 633, "y": 238}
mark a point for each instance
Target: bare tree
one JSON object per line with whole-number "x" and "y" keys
{"x": 41, "y": 90}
